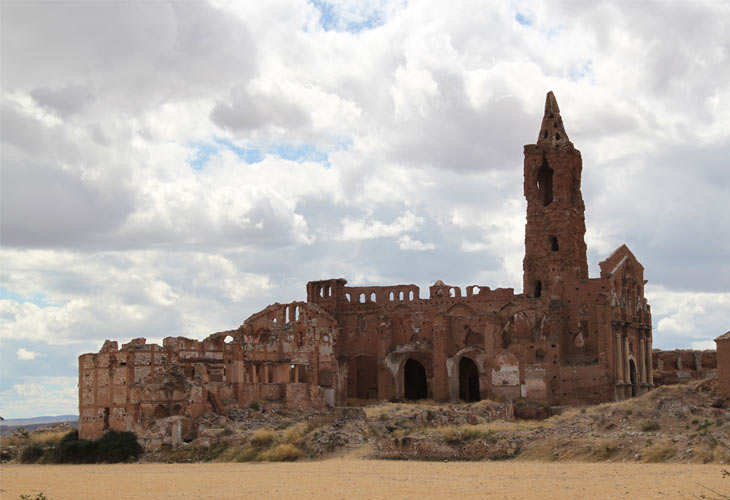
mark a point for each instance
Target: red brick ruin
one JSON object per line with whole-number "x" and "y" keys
{"x": 566, "y": 340}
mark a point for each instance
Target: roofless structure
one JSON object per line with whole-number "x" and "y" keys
{"x": 566, "y": 339}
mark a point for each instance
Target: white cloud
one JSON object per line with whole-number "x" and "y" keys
{"x": 704, "y": 345}
{"x": 24, "y": 354}
{"x": 697, "y": 317}
{"x": 368, "y": 229}
{"x": 405, "y": 242}
{"x": 38, "y": 396}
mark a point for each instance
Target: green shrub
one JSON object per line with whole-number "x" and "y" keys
{"x": 70, "y": 436}
{"x": 75, "y": 451}
{"x": 39, "y": 496}
{"x": 31, "y": 454}
{"x": 114, "y": 447}
{"x": 255, "y": 406}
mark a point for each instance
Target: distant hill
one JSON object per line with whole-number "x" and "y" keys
{"x": 39, "y": 420}
{"x": 8, "y": 425}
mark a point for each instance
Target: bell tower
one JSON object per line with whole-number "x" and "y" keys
{"x": 555, "y": 249}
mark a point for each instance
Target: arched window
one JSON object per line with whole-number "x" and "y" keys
{"x": 545, "y": 183}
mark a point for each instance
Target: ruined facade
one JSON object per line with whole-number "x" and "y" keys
{"x": 567, "y": 339}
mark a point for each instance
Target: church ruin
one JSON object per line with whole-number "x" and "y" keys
{"x": 567, "y": 339}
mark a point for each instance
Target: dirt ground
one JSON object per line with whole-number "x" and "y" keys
{"x": 352, "y": 478}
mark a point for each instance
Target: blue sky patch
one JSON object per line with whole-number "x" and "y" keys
{"x": 204, "y": 151}
{"x": 299, "y": 153}
{"x": 578, "y": 72}
{"x": 331, "y": 20}
{"x": 38, "y": 299}
{"x": 525, "y": 19}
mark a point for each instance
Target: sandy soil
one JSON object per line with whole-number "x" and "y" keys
{"x": 351, "y": 478}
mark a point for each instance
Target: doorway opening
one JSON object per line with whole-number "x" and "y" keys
{"x": 415, "y": 381}
{"x": 468, "y": 380}
{"x": 632, "y": 375}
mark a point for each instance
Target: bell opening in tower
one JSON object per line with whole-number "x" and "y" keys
{"x": 545, "y": 183}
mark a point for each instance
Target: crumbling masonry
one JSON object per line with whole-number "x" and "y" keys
{"x": 567, "y": 339}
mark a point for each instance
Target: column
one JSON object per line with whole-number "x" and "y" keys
{"x": 619, "y": 360}
{"x": 642, "y": 362}
{"x": 649, "y": 362}
{"x": 627, "y": 372}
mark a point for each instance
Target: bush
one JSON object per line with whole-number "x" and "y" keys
{"x": 281, "y": 453}
{"x": 295, "y": 434}
{"x": 114, "y": 447}
{"x": 39, "y": 496}
{"x": 31, "y": 454}
{"x": 255, "y": 406}
{"x": 659, "y": 452}
{"x": 262, "y": 438}
{"x": 650, "y": 425}
{"x": 70, "y": 436}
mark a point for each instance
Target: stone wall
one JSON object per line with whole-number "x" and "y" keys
{"x": 682, "y": 365}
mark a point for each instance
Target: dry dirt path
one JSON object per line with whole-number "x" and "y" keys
{"x": 351, "y": 479}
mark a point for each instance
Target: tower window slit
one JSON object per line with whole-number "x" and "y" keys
{"x": 545, "y": 183}
{"x": 554, "y": 244}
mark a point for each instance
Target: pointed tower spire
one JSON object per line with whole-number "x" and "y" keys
{"x": 551, "y": 130}
{"x": 555, "y": 249}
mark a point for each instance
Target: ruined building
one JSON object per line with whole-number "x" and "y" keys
{"x": 567, "y": 339}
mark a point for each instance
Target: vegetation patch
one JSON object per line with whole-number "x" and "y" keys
{"x": 659, "y": 452}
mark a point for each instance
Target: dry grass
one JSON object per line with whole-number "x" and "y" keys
{"x": 659, "y": 452}
{"x": 576, "y": 450}
{"x": 461, "y": 433}
{"x": 262, "y": 438}
{"x": 395, "y": 410}
{"x": 41, "y": 437}
{"x": 280, "y": 453}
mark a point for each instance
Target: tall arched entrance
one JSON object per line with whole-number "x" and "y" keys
{"x": 468, "y": 380}
{"x": 632, "y": 375}
{"x": 362, "y": 378}
{"x": 415, "y": 380}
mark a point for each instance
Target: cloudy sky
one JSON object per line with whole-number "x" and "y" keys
{"x": 172, "y": 168}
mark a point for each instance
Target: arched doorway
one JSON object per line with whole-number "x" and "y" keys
{"x": 362, "y": 378}
{"x": 468, "y": 380}
{"x": 414, "y": 380}
{"x": 632, "y": 375}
